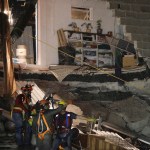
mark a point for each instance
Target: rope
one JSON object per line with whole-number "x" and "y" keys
{"x": 40, "y": 122}
{"x": 98, "y": 69}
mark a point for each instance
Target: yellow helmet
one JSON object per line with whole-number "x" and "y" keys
{"x": 62, "y": 102}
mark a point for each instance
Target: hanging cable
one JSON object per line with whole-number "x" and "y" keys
{"x": 98, "y": 69}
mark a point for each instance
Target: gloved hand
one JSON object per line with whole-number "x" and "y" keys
{"x": 91, "y": 119}
{"x": 30, "y": 121}
{"x": 33, "y": 112}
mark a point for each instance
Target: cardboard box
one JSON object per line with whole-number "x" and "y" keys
{"x": 129, "y": 61}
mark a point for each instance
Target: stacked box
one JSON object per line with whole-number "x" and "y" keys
{"x": 129, "y": 61}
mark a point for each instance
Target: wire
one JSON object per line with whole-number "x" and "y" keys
{"x": 98, "y": 69}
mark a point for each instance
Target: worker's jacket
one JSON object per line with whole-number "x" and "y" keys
{"x": 19, "y": 107}
{"x": 49, "y": 115}
{"x": 63, "y": 122}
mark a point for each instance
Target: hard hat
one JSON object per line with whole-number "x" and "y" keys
{"x": 27, "y": 87}
{"x": 44, "y": 102}
{"x": 62, "y": 102}
{"x": 43, "y": 105}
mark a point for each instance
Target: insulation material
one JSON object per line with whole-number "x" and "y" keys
{"x": 61, "y": 73}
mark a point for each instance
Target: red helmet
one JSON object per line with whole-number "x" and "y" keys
{"x": 27, "y": 87}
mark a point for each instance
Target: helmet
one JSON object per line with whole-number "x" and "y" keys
{"x": 44, "y": 102}
{"x": 27, "y": 87}
{"x": 62, "y": 102}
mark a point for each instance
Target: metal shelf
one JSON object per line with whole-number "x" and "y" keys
{"x": 90, "y": 53}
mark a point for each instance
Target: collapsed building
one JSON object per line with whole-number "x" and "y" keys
{"x": 93, "y": 80}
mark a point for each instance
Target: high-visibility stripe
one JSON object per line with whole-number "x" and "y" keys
{"x": 56, "y": 120}
{"x": 67, "y": 120}
{"x": 17, "y": 108}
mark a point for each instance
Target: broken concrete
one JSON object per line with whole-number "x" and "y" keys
{"x": 132, "y": 113}
{"x": 94, "y": 95}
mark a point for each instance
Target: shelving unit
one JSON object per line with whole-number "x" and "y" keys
{"x": 91, "y": 48}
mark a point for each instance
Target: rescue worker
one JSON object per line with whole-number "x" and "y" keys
{"x": 64, "y": 133}
{"x": 20, "y": 116}
{"x": 43, "y": 124}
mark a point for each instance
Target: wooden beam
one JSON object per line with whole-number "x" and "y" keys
{"x": 9, "y": 80}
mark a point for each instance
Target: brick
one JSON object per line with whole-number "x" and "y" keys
{"x": 119, "y": 13}
{"x": 136, "y": 8}
{"x": 129, "y": 7}
{"x": 131, "y": 1}
{"x": 145, "y": 8}
{"x": 135, "y": 29}
{"x": 131, "y": 14}
{"x": 134, "y": 15}
{"x": 145, "y": 52}
{"x": 134, "y": 21}
{"x": 142, "y": 15}
{"x": 120, "y": 5}
{"x": 143, "y": 45}
{"x": 140, "y": 37}
{"x": 143, "y": 1}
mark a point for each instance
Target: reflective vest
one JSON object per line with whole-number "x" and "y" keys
{"x": 63, "y": 121}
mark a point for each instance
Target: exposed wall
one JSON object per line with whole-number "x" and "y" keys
{"x": 25, "y": 39}
{"x": 56, "y": 14}
{"x": 134, "y": 18}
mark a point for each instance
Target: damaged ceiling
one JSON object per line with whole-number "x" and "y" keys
{"x": 122, "y": 116}
{"x": 17, "y": 8}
